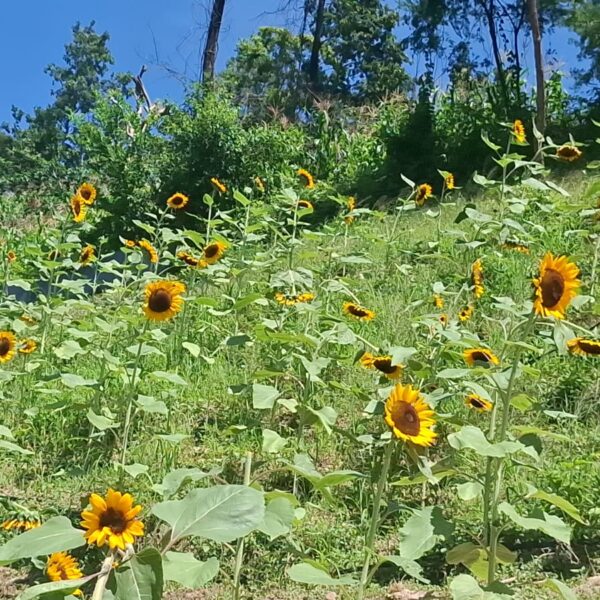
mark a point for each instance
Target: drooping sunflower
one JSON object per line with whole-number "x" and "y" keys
{"x": 293, "y": 299}
{"x": 27, "y": 346}
{"x": 150, "y": 249}
{"x": 88, "y": 254}
{"x": 357, "y": 312}
{"x": 20, "y": 524}
{"x": 477, "y": 278}
{"x": 177, "y": 201}
{"x": 129, "y": 243}
{"x": 188, "y": 259}
{"x": 260, "y": 185}
{"x": 555, "y": 286}
{"x": 568, "y": 153}
{"x": 465, "y": 313}
{"x": 8, "y": 343}
{"x": 519, "y": 132}
{"x": 218, "y": 185}
{"x": 480, "y": 357}
{"x": 424, "y": 191}
{"x": 61, "y": 566}
{"x": 87, "y": 192}
{"x": 113, "y": 520}
{"x": 478, "y": 403}
{"x": 213, "y": 252}
{"x": 584, "y": 347}
{"x": 78, "y": 208}
{"x": 438, "y": 301}
{"x": 163, "y": 300}
{"x": 305, "y": 204}
{"x": 516, "y": 246}
{"x": 449, "y": 182}
{"x": 383, "y": 364}
{"x": 307, "y": 178}
{"x": 409, "y": 416}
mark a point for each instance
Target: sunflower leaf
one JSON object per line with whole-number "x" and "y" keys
{"x": 312, "y": 575}
{"x": 140, "y": 578}
{"x": 187, "y": 570}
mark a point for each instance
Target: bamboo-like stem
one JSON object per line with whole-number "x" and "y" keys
{"x": 239, "y": 557}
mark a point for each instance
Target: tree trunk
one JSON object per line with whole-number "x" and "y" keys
{"x": 209, "y": 58}
{"x": 540, "y": 117}
{"x": 313, "y": 66}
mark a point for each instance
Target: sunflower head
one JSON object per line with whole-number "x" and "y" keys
{"x": 20, "y": 524}
{"x": 480, "y": 357}
{"x": 11, "y": 256}
{"x": 163, "y": 300}
{"x": 305, "y": 205}
{"x": 438, "y": 301}
{"x": 519, "y": 132}
{"x": 351, "y": 205}
{"x": 383, "y": 364}
{"x": 61, "y": 566}
{"x": 150, "y": 249}
{"x": 188, "y": 259}
{"x": 213, "y": 252}
{"x": 293, "y": 299}
{"x": 424, "y": 191}
{"x": 516, "y": 246}
{"x": 465, "y": 313}
{"x": 443, "y": 320}
{"x": 568, "y": 153}
{"x": 584, "y": 347}
{"x": 78, "y": 208}
{"x": 449, "y": 182}
{"x": 259, "y": 184}
{"x": 177, "y": 201}
{"x": 87, "y": 192}
{"x": 129, "y": 243}
{"x": 409, "y": 416}
{"x": 218, "y": 185}
{"x": 357, "y": 312}
{"x": 477, "y": 278}
{"x": 8, "y": 343}
{"x": 555, "y": 286}
{"x": 112, "y": 520}
{"x": 88, "y": 254}
{"x": 27, "y": 346}
{"x": 478, "y": 403}
{"x": 306, "y": 178}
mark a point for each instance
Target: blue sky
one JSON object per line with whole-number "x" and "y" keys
{"x": 162, "y": 35}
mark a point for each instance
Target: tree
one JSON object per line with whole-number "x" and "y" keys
{"x": 212, "y": 40}
{"x": 585, "y": 21}
{"x": 534, "y": 20}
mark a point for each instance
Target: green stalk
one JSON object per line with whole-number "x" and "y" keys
{"x": 239, "y": 557}
{"x": 385, "y": 467}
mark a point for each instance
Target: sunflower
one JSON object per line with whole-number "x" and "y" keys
{"x": 260, "y": 185}
{"x": 87, "y": 192}
{"x": 443, "y": 319}
{"x": 568, "y": 153}
{"x": 28, "y": 320}
{"x": 357, "y": 312}
{"x": 351, "y": 205}
{"x": 61, "y": 566}
{"x": 382, "y": 364}
{"x": 293, "y": 299}
{"x": 188, "y": 259}
{"x": 478, "y": 403}
{"x": 27, "y": 346}
{"x": 438, "y": 301}
{"x": 11, "y": 256}
{"x": 555, "y": 286}
{"x": 480, "y": 357}
{"x": 424, "y": 191}
{"x": 150, "y": 249}
{"x": 449, "y": 182}
{"x": 307, "y": 178}
{"x": 584, "y": 347}
{"x": 177, "y": 201}
{"x": 305, "y": 204}
{"x": 519, "y": 132}
{"x": 477, "y": 278}
{"x": 465, "y": 313}
{"x": 163, "y": 299}
{"x": 19, "y": 524}
{"x": 409, "y": 416}
{"x": 129, "y": 243}
{"x": 88, "y": 254}
{"x": 8, "y": 342}
{"x": 213, "y": 252}
{"x": 113, "y": 520}
{"x": 218, "y": 185}
{"x": 78, "y": 208}
{"x": 516, "y": 246}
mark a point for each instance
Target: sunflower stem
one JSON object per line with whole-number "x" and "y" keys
{"x": 239, "y": 557}
{"x": 385, "y": 467}
{"x": 102, "y": 580}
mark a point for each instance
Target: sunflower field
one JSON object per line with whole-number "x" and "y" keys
{"x": 236, "y": 399}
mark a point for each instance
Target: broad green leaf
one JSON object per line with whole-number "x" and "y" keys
{"x": 311, "y": 575}
{"x": 474, "y": 439}
{"x": 549, "y": 524}
{"x": 54, "y": 589}
{"x": 99, "y": 421}
{"x": 314, "y": 367}
{"x": 279, "y": 517}
{"x": 410, "y": 567}
{"x": 272, "y": 441}
{"x": 192, "y": 348}
{"x": 6, "y": 432}
{"x": 264, "y": 396}
{"x": 469, "y": 491}
{"x": 68, "y": 349}
{"x": 170, "y": 377}
{"x": 11, "y": 447}
{"x": 249, "y": 299}
{"x": 187, "y": 570}
{"x": 557, "y": 501}
{"x": 564, "y": 591}
{"x": 465, "y": 587}
{"x": 417, "y": 535}
{"x": 151, "y": 405}
{"x": 140, "y": 578}
{"x": 326, "y": 416}
{"x": 135, "y": 469}
{"x": 221, "y": 513}
{"x": 173, "y": 481}
{"x": 71, "y": 380}
{"x": 54, "y": 535}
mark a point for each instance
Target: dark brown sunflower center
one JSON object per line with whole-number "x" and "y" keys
{"x": 568, "y": 152}
{"x": 86, "y": 194}
{"x": 4, "y": 346}
{"x": 178, "y": 200}
{"x": 405, "y": 418}
{"x": 479, "y": 356}
{"x": 114, "y": 520}
{"x": 211, "y": 251}
{"x": 357, "y": 311}
{"x": 590, "y": 347}
{"x": 553, "y": 286}
{"x": 160, "y": 301}
{"x": 76, "y": 207}
{"x": 384, "y": 365}
{"x": 476, "y": 403}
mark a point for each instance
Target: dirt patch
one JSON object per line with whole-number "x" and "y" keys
{"x": 9, "y": 583}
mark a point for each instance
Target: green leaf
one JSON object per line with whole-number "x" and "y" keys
{"x": 54, "y": 589}
{"x": 272, "y": 441}
{"x": 490, "y": 144}
{"x": 557, "y": 501}
{"x": 314, "y": 367}
{"x": 140, "y": 578}
{"x": 312, "y": 575}
{"x": 68, "y": 349}
{"x": 249, "y": 299}
{"x": 264, "y": 396}
{"x": 279, "y": 517}
{"x": 539, "y": 520}
{"x": 469, "y": 491}
{"x": 10, "y": 447}
{"x": 336, "y": 478}
{"x": 71, "y": 380}
{"x": 185, "y": 569}
{"x": 170, "y": 377}
{"x": 192, "y": 348}
{"x": 173, "y": 481}
{"x": 135, "y": 469}
{"x": 55, "y": 535}
{"x": 151, "y": 405}
{"x": 99, "y": 421}
{"x": 221, "y": 513}
{"x": 474, "y": 439}
{"x": 410, "y": 567}
{"x": 564, "y": 591}
{"x": 465, "y": 587}
{"x": 417, "y": 535}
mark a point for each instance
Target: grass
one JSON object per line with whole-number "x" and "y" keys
{"x": 226, "y": 339}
